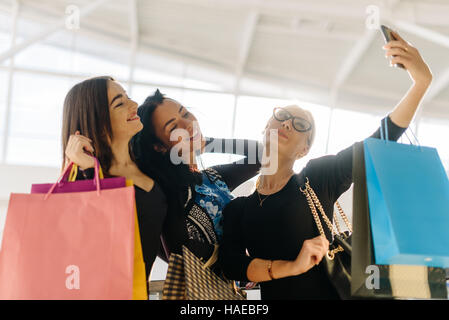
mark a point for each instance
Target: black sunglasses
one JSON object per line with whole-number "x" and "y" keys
{"x": 300, "y": 124}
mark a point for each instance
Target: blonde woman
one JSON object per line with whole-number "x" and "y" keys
{"x": 275, "y": 225}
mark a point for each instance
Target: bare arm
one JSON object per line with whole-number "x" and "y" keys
{"x": 237, "y": 265}
{"x": 311, "y": 254}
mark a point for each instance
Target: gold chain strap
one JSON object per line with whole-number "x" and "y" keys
{"x": 314, "y": 202}
{"x": 344, "y": 217}
{"x": 314, "y": 212}
{"x": 337, "y": 224}
{"x": 320, "y": 208}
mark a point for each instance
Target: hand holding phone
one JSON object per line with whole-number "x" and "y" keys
{"x": 388, "y": 36}
{"x": 405, "y": 55}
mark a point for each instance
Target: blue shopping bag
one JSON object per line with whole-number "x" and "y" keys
{"x": 408, "y": 196}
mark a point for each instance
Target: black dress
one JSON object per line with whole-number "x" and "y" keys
{"x": 151, "y": 212}
{"x": 277, "y": 229}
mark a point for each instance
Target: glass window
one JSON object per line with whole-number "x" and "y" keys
{"x": 254, "y": 112}
{"x": 158, "y": 70}
{"x": 434, "y": 133}
{"x": 206, "y": 78}
{"x": 43, "y": 56}
{"x": 140, "y": 92}
{"x": 348, "y": 127}
{"x": 46, "y": 56}
{"x": 34, "y": 152}
{"x": 214, "y": 114}
{"x": 5, "y": 40}
{"x": 145, "y": 75}
{"x": 5, "y": 34}
{"x": 213, "y": 111}
{"x": 36, "y": 119}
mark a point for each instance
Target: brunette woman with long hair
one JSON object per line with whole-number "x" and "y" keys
{"x": 99, "y": 120}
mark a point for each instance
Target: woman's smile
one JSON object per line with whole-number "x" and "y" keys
{"x": 134, "y": 117}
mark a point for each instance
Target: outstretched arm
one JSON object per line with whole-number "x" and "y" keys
{"x": 419, "y": 73}
{"x": 334, "y": 172}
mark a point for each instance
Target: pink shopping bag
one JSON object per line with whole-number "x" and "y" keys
{"x": 68, "y": 184}
{"x": 77, "y": 245}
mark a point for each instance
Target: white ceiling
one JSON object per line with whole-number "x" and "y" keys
{"x": 304, "y": 48}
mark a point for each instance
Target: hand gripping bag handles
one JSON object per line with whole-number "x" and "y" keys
{"x": 338, "y": 258}
{"x": 76, "y": 245}
{"x": 408, "y": 195}
{"x": 371, "y": 279}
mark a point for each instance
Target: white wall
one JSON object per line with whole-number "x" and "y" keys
{"x": 18, "y": 179}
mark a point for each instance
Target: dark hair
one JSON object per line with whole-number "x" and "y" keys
{"x": 174, "y": 179}
{"x": 86, "y": 109}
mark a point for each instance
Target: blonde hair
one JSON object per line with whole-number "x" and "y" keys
{"x": 312, "y": 131}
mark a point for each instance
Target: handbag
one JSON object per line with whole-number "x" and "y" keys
{"x": 189, "y": 278}
{"x": 338, "y": 258}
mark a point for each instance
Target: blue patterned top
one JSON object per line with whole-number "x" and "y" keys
{"x": 213, "y": 197}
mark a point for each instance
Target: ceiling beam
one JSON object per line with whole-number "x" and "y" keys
{"x": 359, "y": 50}
{"x": 309, "y": 33}
{"x": 85, "y": 11}
{"x": 120, "y": 38}
{"x": 353, "y": 58}
{"x": 425, "y": 33}
{"x": 310, "y": 9}
{"x": 246, "y": 41}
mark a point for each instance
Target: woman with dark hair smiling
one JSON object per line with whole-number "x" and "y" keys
{"x": 100, "y": 119}
{"x": 196, "y": 198}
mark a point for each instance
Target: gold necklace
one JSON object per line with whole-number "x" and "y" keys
{"x": 258, "y": 194}
{"x": 260, "y": 199}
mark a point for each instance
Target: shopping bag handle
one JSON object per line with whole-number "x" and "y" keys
{"x": 417, "y": 141}
{"x": 70, "y": 171}
{"x": 382, "y": 131}
{"x": 74, "y": 173}
{"x": 385, "y": 136}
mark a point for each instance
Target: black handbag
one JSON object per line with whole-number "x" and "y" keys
{"x": 338, "y": 258}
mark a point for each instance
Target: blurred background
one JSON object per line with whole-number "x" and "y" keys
{"x": 229, "y": 61}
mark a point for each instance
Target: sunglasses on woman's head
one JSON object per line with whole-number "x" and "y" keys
{"x": 299, "y": 124}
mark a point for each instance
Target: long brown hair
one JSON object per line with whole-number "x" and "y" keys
{"x": 86, "y": 109}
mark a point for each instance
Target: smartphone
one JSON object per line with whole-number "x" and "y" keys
{"x": 388, "y": 36}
